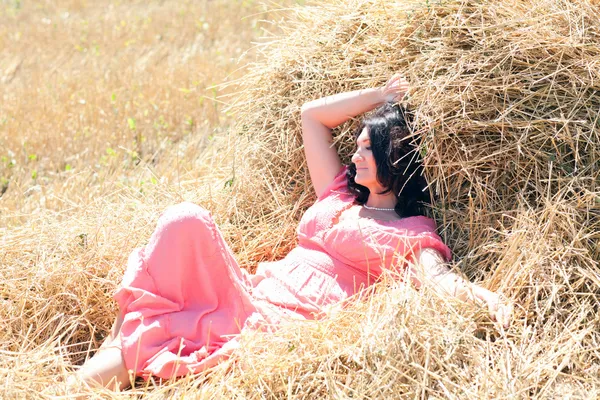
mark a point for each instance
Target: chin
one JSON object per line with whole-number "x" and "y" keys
{"x": 363, "y": 182}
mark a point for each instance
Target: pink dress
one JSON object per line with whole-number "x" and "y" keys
{"x": 185, "y": 299}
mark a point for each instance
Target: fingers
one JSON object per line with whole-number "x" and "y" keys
{"x": 397, "y": 81}
{"x": 401, "y": 85}
{"x": 395, "y": 88}
{"x": 502, "y": 313}
{"x": 394, "y": 79}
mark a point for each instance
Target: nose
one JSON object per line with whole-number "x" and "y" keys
{"x": 356, "y": 157}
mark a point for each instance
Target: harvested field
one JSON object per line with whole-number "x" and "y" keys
{"x": 111, "y": 112}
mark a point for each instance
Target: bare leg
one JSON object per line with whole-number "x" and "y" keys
{"x": 107, "y": 367}
{"x": 114, "y": 331}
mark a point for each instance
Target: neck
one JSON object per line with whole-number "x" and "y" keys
{"x": 387, "y": 200}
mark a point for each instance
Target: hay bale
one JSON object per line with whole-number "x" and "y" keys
{"x": 505, "y": 97}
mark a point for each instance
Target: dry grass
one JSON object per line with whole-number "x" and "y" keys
{"x": 106, "y": 119}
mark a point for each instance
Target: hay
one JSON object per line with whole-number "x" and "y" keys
{"x": 506, "y": 100}
{"x": 505, "y": 97}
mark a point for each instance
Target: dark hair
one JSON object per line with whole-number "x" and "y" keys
{"x": 396, "y": 157}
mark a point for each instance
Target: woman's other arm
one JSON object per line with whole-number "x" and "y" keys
{"x": 320, "y": 116}
{"x": 432, "y": 270}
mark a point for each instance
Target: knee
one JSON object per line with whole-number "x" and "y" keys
{"x": 185, "y": 215}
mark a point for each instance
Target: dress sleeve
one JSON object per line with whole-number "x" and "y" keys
{"x": 420, "y": 233}
{"x": 431, "y": 240}
{"x": 339, "y": 183}
{"x": 409, "y": 235}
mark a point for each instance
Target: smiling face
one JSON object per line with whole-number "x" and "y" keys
{"x": 366, "y": 166}
{"x": 386, "y": 163}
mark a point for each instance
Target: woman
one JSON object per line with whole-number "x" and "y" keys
{"x": 184, "y": 299}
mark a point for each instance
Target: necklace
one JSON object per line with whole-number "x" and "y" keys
{"x": 377, "y": 208}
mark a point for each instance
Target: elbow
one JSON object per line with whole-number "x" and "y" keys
{"x": 311, "y": 116}
{"x": 306, "y": 109}
{"x": 306, "y": 116}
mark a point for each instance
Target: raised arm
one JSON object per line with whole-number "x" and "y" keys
{"x": 320, "y": 116}
{"x": 431, "y": 270}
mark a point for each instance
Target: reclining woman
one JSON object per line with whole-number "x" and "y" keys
{"x": 184, "y": 298}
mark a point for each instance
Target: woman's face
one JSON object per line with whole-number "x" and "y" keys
{"x": 366, "y": 168}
